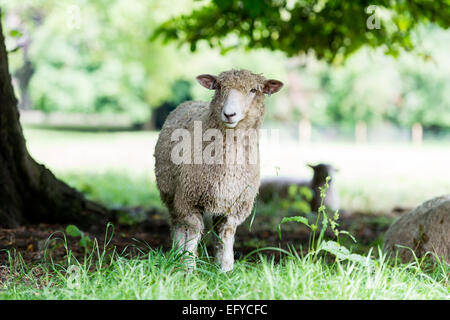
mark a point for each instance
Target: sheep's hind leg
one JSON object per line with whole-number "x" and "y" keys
{"x": 186, "y": 235}
{"x": 225, "y": 230}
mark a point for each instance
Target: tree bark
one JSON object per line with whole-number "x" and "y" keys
{"x": 29, "y": 192}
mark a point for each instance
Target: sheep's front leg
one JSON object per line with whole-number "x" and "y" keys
{"x": 187, "y": 232}
{"x": 225, "y": 230}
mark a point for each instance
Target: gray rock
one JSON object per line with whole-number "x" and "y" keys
{"x": 424, "y": 229}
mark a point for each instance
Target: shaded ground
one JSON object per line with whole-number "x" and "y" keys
{"x": 42, "y": 241}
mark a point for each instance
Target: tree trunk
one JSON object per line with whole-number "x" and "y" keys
{"x": 361, "y": 132}
{"x": 29, "y": 192}
{"x": 304, "y": 129}
{"x": 417, "y": 134}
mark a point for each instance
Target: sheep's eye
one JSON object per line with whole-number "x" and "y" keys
{"x": 253, "y": 90}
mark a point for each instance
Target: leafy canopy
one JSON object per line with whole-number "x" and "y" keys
{"x": 333, "y": 29}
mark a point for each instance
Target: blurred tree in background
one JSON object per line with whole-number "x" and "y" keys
{"x": 95, "y": 57}
{"x": 370, "y": 87}
{"x": 107, "y": 65}
{"x": 425, "y": 96}
{"x": 104, "y": 61}
{"x": 363, "y": 90}
{"x": 332, "y": 29}
{"x": 181, "y": 91}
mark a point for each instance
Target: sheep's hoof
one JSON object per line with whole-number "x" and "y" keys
{"x": 225, "y": 267}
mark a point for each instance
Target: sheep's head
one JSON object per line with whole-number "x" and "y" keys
{"x": 322, "y": 171}
{"x": 239, "y": 95}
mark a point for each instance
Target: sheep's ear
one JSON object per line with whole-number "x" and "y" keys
{"x": 208, "y": 81}
{"x": 272, "y": 86}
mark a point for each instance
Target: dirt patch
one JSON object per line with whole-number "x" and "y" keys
{"x": 42, "y": 241}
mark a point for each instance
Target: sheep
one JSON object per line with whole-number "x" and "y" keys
{"x": 424, "y": 229}
{"x": 280, "y": 185}
{"x": 224, "y": 190}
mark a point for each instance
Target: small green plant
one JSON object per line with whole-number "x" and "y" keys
{"x": 298, "y": 199}
{"x": 318, "y": 228}
{"x": 296, "y": 202}
{"x": 85, "y": 241}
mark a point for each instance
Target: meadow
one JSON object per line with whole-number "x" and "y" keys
{"x": 116, "y": 169}
{"x": 372, "y": 178}
{"x": 158, "y": 275}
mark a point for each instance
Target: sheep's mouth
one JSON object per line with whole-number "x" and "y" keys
{"x": 230, "y": 124}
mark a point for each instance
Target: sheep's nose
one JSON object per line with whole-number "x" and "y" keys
{"x": 229, "y": 116}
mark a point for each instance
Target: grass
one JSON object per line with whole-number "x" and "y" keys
{"x": 158, "y": 275}
{"x": 373, "y": 178}
{"x": 115, "y": 189}
{"x": 118, "y": 171}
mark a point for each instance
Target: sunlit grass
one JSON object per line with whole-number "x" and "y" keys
{"x": 115, "y": 189}
{"x": 117, "y": 169}
{"x": 372, "y": 178}
{"x": 158, "y": 275}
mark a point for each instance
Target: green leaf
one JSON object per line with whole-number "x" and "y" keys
{"x": 348, "y": 234}
{"x": 15, "y": 33}
{"x": 306, "y": 193}
{"x": 284, "y": 204}
{"x": 301, "y": 206}
{"x": 296, "y": 219}
{"x": 293, "y": 188}
{"x": 342, "y": 253}
{"x": 324, "y": 226}
{"x": 73, "y": 231}
{"x": 279, "y": 231}
{"x": 85, "y": 242}
{"x": 335, "y": 248}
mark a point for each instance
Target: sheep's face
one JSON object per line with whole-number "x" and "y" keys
{"x": 239, "y": 95}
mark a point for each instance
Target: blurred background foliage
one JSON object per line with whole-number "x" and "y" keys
{"x": 117, "y": 58}
{"x": 332, "y": 29}
{"x": 137, "y": 60}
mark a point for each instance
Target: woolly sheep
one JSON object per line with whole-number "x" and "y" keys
{"x": 280, "y": 185}
{"x": 424, "y": 229}
{"x": 223, "y": 189}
